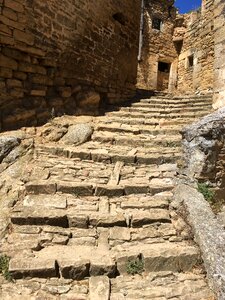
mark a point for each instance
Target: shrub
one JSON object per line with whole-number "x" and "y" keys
{"x": 205, "y": 190}
{"x": 4, "y": 267}
{"x": 135, "y": 266}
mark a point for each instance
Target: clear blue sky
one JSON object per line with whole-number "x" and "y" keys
{"x": 187, "y": 5}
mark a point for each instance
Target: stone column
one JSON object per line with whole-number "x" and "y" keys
{"x": 219, "y": 64}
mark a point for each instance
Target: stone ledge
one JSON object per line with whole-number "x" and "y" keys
{"x": 209, "y": 234}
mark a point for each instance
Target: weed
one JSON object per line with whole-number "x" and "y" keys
{"x": 170, "y": 144}
{"x": 135, "y": 266}
{"x": 4, "y": 267}
{"x": 205, "y": 190}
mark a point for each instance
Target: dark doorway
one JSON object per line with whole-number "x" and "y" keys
{"x": 163, "y": 76}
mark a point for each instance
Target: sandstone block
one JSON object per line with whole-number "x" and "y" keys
{"x": 99, "y": 288}
{"x": 107, "y": 220}
{"x": 31, "y": 267}
{"x": 24, "y": 37}
{"x": 141, "y": 218}
{"x": 76, "y": 270}
{"x": 42, "y": 187}
{"x": 8, "y": 62}
{"x": 14, "y": 5}
{"x": 75, "y": 188}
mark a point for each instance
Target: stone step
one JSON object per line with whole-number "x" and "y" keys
{"x": 186, "y": 101}
{"x": 78, "y": 262}
{"x": 71, "y": 218}
{"x": 151, "y": 121}
{"x": 190, "y": 115}
{"x": 170, "y": 104}
{"x": 86, "y": 177}
{"x": 37, "y": 237}
{"x": 164, "y": 111}
{"x": 161, "y": 286}
{"x": 144, "y": 129}
{"x": 140, "y": 140}
{"x": 112, "y": 153}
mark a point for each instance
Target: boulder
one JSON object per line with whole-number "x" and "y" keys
{"x": 78, "y": 134}
{"x": 7, "y": 144}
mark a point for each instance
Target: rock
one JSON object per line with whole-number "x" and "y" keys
{"x": 78, "y": 134}
{"x": 99, "y": 288}
{"x": 203, "y": 144}
{"x": 53, "y": 132}
{"x": 209, "y": 234}
{"x": 7, "y": 144}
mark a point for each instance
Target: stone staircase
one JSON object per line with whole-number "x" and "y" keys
{"x": 96, "y": 221}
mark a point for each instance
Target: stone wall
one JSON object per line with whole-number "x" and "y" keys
{"x": 195, "y": 67}
{"x": 219, "y": 63}
{"x": 65, "y": 57}
{"x": 157, "y": 45}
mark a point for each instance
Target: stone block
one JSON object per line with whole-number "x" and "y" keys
{"x": 76, "y": 270}
{"x": 24, "y": 37}
{"x": 31, "y": 267}
{"x": 99, "y": 288}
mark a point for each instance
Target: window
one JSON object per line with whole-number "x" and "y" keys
{"x": 190, "y": 61}
{"x": 163, "y": 67}
{"x": 157, "y": 24}
{"x": 178, "y": 45}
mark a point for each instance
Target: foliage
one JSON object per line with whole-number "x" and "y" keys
{"x": 135, "y": 266}
{"x": 205, "y": 190}
{"x": 4, "y": 267}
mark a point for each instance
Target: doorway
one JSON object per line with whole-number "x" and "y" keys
{"x": 163, "y": 76}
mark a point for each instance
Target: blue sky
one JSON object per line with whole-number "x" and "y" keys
{"x": 187, "y": 5}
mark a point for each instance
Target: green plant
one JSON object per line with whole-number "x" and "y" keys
{"x": 4, "y": 267}
{"x": 205, "y": 190}
{"x": 135, "y": 266}
{"x": 170, "y": 144}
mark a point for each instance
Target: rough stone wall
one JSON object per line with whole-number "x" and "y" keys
{"x": 55, "y": 56}
{"x": 219, "y": 63}
{"x": 198, "y": 42}
{"x": 157, "y": 44}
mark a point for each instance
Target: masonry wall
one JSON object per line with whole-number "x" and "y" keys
{"x": 219, "y": 63}
{"x": 157, "y": 44}
{"x": 65, "y": 57}
{"x": 198, "y": 42}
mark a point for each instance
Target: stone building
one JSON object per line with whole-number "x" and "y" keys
{"x": 158, "y": 52}
{"x": 63, "y": 58}
{"x": 178, "y": 50}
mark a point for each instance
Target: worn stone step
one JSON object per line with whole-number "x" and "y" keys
{"x": 171, "y": 104}
{"x": 134, "y": 129}
{"x": 148, "y": 115}
{"x": 164, "y": 110}
{"x": 73, "y": 218}
{"x": 175, "y": 257}
{"x": 78, "y": 262}
{"x": 185, "y": 101}
{"x": 112, "y": 154}
{"x": 153, "y": 121}
{"x": 160, "y": 286}
{"x": 128, "y": 185}
{"x": 140, "y": 140}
